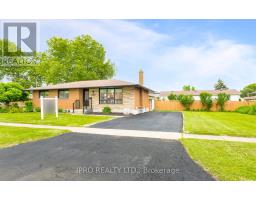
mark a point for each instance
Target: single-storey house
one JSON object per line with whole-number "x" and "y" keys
{"x": 94, "y": 95}
{"x": 234, "y": 94}
{"x": 251, "y": 97}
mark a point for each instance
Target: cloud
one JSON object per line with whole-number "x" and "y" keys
{"x": 168, "y": 64}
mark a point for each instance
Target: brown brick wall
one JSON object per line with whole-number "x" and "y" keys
{"x": 141, "y": 98}
{"x": 74, "y": 94}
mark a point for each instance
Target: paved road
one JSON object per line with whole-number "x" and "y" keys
{"x": 100, "y": 158}
{"x": 151, "y": 121}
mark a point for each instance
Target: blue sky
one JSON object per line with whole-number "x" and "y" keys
{"x": 172, "y": 53}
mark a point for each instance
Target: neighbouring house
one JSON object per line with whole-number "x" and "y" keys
{"x": 234, "y": 94}
{"x": 251, "y": 97}
{"x": 94, "y": 95}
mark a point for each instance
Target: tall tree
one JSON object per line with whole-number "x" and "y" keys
{"x": 248, "y": 89}
{"x": 220, "y": 85}
{"x": 82, "y": 58}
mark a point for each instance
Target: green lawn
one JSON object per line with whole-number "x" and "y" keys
{"x": 224, "y": 160}
{"x": 220, "y": 123}
{"x": 10, "y": 136}
{"x": 50, "y": 119}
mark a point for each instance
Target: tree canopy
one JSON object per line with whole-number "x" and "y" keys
{"x": 65, "y": 60}
{"x": 82, "y": 58}
{"x": 12, "y": 91}
{"x": 248, "y": 89}
{"x": 188, "y": 88}
{"x": 220, "y": 85}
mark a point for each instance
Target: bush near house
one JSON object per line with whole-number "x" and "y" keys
{"x": 221, "y": 100}
{"x": 11, "y": 92}
{"x": 37, "y": 109}
{"x": 3, "y": 110}
{"x": 206, "y": 100}
{"x": 28, "y": 106}
{"x": 250, "y": 110}
{"x": 106, "y": 110}
{"x": 14, "y": 108}
{"x": 186, "y": 100}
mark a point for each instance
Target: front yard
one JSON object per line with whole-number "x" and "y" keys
{"x": 10, "y": 136}
{"x": 224, "y": 160}
{"x": 220, "y": 123}
{"x": 50, "y": 119}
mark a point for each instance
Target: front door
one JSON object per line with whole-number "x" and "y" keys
{"x": 87, "y": 101}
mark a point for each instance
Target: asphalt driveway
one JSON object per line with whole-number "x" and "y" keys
{"x": 76, "y": 156}
{"x": 150, "y": 121}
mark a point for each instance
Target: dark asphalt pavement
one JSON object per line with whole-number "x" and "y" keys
{"x": 77, "y": 156}
{"x": 150, "y": 121}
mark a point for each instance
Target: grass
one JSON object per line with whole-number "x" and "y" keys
{"x": 10, "y": 136}
{"x": 220, "y": 123}
{"x": 50, "y": 119}
{"x": 229, "y": 161}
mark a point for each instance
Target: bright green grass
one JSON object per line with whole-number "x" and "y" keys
{"x": 10, "y": 136}
{"x": 224, "y": 160}
{"x": 63, "y": 120}
{"x": 220, "y": 123}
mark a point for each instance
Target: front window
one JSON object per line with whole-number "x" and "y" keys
{"x": 111, "y": 96}
{"x": 43, "y": 93}
{"x": 63, "y": 94}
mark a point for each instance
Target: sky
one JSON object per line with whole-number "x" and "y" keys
{"x": 172, "y": 53}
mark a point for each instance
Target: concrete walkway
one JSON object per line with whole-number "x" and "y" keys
{"x": 134, "y": 133}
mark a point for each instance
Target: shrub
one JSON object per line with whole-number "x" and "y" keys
{"x": 37, "y": 109}
{"x": 15, "y": 108}
{"x": 28, "y": 106}
{"x": 206, "y": 100}
{"x": 186, "y": 100}
{"x": 172, "y": 97}
{"x": 222, "y": 99}
{"x": 10, "y": 92}
{"x": 3, "y": 110}
{"x": 106, "y": 110}
{"x": 250, "y": 110}
{"x": 243, "y": 109}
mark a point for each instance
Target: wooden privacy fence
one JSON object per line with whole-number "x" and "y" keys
{"x": 174, "y": 105}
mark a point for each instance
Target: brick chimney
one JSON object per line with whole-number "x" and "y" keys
{"x": 141, "y": 77}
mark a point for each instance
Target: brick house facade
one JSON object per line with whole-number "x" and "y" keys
{"x": 84, "y": 96}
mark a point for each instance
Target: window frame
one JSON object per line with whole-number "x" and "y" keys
{"x": 107, "y": 102}
{"x": 40, "y": 91}
{"x": 61, "y": 91}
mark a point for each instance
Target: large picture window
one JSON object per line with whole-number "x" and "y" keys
{"x": 63, "y": 94}
{"x": 43, "y": 93}
{"x": 111, "y": 96}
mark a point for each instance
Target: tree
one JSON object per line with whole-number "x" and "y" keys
{"x": 12, "y": 91}
{"x": 172, "y": 97}
{"x": 188, "y": 88}
{"x": 186, "y": 100}
{"x": 220, "y": 85}
{"x": 206, "y": 100}
{"x": 27, "y": 76}
{"x": 82, "y": 58}
{"x": 248, "y": 89}
{"x": 222, "y": 99}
